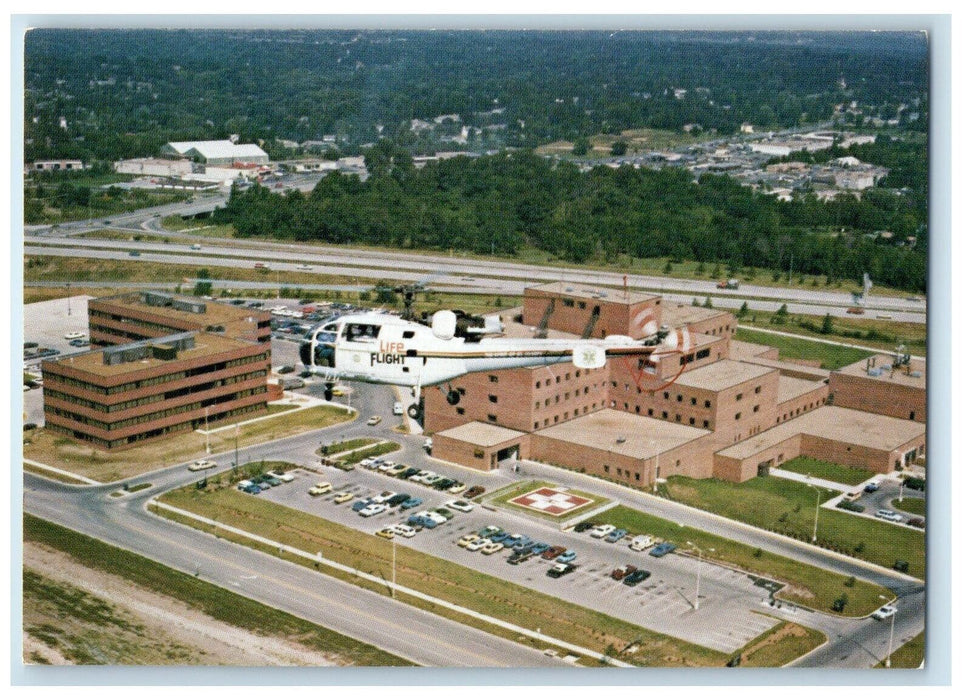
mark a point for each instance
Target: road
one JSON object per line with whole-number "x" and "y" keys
{"x": 447, "y": 273}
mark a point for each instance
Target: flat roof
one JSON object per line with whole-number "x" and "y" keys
{"x": 898, "y": 376}
{"x": 513, "y": 329}
{"x": 204, "y": 344}
{"x": 741, "y": 350}
{"x": 845, "y": 425}
{"x": 721, "y": 375}
{"x": 216, "y": 312}
{"x": 791, "y": 387}
{"x": 683, "y": 314}
{"x": 481, "y": 434}
{"x": 623, "y": 433}
{"x": 583, "y": 291}
{"x": 786, "y": 367}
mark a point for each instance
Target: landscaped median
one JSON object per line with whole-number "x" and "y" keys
{"x": 59, "y": 451}
{"x": 788, "y": 508}
{"x": 512, "y": 497}
{"x": 445, "y": 580}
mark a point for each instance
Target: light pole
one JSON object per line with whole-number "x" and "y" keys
{"x": 888, "y": 658}
{"x": 394, "y": 568}
{"x": 698, "y": 575}
{"x": 206, "y": 431}
{"x": 818, "y": 499}
{"x": 901, "y": 490}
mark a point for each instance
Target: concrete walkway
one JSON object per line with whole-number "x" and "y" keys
{"x": 813, "y": 481}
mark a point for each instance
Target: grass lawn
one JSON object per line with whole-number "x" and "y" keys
{"x": 784, "y": 642}
{"x": 831, "y": 356}
{"x": 915, "y": 506}
{"x": 788, "y": 507}
{"x": 212, "y": 600}
{"x": 57, "y": 450}
{"x": 502, "y": 498}
{"x": 818, "y": 469}
{"x": 909, "y": 655}
{"x": 441, "y": 578}
{"x": 336, "y": 448}
{"x": 805, "y": 584}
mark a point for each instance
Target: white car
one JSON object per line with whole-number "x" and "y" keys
{"x": 373, "y": 509}
{"x": 422, "y": 475}
{"x": 889, "y": 515}
{"x": 462, "y": 505}
{"x": 641, "y": 542}
{"x": 383, "y": 497}
{"x": 286, "y": 478}
{"x": 320, "y": 488}
{"x": 600, "y": 531}
{"x": 478, "y": 544}
{"x": 278, "y": 309}
{"x": 431, "y": 480}
{"x": 404, "y": 530}
{"x": 436, "y": 518}
{"x": 201, "y": 464}
{"x": 885, "y": 612}
{"x": 74, "y": 335}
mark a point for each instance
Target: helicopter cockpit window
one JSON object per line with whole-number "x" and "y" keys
{"x": 361, "y": 332}
{"x": 326, "y": 337}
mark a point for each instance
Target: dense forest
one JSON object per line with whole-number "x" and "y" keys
{"x": 107, "y": 94}
{"x": 497, "y": 204}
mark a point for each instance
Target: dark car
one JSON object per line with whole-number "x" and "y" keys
{"x": 623, "y": 571}
{"x": 581, "y": 527}
{"x": 520, "y": 556}
{"x": 871, "y": 487}
{"x": 846, "y": 504}
{"x": 539, "y": 548}
{"x": 443, "y": 484}
{"x": 660, "y": 550}
{"x": 913, "y": 522}
{"x": 559, "y": 570}
{"x": 398, "y": 499}
{"x": 500, "y": 537}
{"x": 636, "y": 577}
{"x": 474, "y": 492}
{"x": 285, "y": 369}
{"x": 408, "y": 473}
{"x": 358, "y": 506}
{"x": 411, "y": 503}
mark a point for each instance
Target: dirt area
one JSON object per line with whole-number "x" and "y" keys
{"x": 77, "y": 615}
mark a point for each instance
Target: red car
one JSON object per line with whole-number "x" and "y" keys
{"x": 623, "y": 571}
{"x": 552, "y": 552}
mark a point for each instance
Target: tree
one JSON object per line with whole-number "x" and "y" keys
{"x": 827, "y": 325}
{"x": 619, "y": 148}
{"x": 707, "y": 303}
{"x": 743, "y": 311}
{"x": 203, "y": 288}
{"x": 581, "y": 147}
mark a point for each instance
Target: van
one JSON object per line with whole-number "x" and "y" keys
{"x": 196, "y": 246}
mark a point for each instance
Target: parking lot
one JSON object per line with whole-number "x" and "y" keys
{"x": 665, "y": 602}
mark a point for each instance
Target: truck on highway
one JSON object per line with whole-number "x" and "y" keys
{"x": 728, "y": 284}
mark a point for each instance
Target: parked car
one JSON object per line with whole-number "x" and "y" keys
{"x": 520, "y": 556}
{"x": 74, "y": 335}
{"x": 411, "y": 503}
{"x": 500, "y": 537}
{"x": 462, "y": 505}
{"x": 559, "y": 570}
{"x": 372, "y": 509}
{"x": 272, "y": 480}
{"x": 489, "y": 530}
{"x": 252, "y": 489}
{"x": 871, "y": 487}
{"x": 511, "y": 540}
{"x": 360, "y": 505}
{"x": 492, "y": 548}
{"x": 662, "y": 549}
{"x": 553, "y": 552}
{"x": 396, "y": 469}
{"x": 885, "y": 612}
{"x": 408, "y": 473}
{"x": 636, "y": 577}
{"x": 404, "y": 530}
{"x": 639, "y": 543}
{"x": 201, "y": 464}
{"x": 566, "y": 557}
{"x": 283, "y": 476}
{"x": 478, "y": 544}
{"x": 385, "y": 532}
{"x": 601, "y": 531}
{"x": 523, "y": 543}
{"x": 285, "y": 369}
{"x": 374, "y": 420}
{"x": 616, "y": 535}
{"x": 888, "y": 515}
{"x": 581, "y": 527}
{"x": 468, "y": 539}
{"x": 539, "y": 548}
{"x": 846, "y": 504}
{"x": 320, "y": 488}
{"x": 438, "y": 513}
{"x": 384, "y": 497}
{"x": 474, "y": 492}
{"x": 457, "y": 488}
{"x": 623, "y": 571}
{"x": 79, "y": 342}
{"x": 343, "y": 497}
{"x": 397, "y": 500}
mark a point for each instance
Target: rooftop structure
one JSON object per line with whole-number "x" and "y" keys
{"x": 483, "y": 434}
{"x": 217, "y": 152}
{"x": 721, "y": 375}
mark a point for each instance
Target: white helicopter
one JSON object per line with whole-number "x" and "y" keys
{"x": 386, "y": 349}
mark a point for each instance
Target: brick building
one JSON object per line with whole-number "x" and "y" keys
{"x": 143, "y": 315}
{"x": 123, "y": 395}
{"x": 876, "y": 385}
{"x": 590, "y": 312}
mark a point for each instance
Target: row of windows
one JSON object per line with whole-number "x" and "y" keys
{"x": 557, "y": 380}
{"x": 134, "y": 403}
{"x": 159, "y": 328}
{"x": 157, "y": 415}
{"x": 565, "y": 416}
{"x": 664, "y": 415}
{"x": 799, "y": 411}
{"x": 557, "y": 398}
{"x": 162, "y": 379}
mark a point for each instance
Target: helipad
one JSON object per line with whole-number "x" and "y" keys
{"x": 550, "y": 501}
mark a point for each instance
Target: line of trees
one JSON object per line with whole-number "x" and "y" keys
{"x": 497, "y": 204}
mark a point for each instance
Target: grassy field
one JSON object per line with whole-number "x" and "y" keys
{"x": 788, "y": 507}
{"x": 818, "y": 469}
{"x": 830, "y": 356}
{"x": 909, "y": 655}
{"x": 444, "y": 579}
{"x": 57, "y": 450}
{"x": 915, "y": 506}
{"x": 374, "y": 451}
{"x": 805, "y": 584}
{"x": 785, "y": 640}
{"x": 214, "y": 601}
{"x": 502, "y": 500}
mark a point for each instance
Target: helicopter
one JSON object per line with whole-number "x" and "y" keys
{"x": 382, "y": 348}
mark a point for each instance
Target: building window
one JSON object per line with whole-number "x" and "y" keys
{"x": 707, "y": 403}
{"x": 619, "y": 471}
{"x": 755, "y": 409}
{"x": 651, "y": 411}
{"x": 738, "y": 416}
{"x": 666, "y": 395}
{"x": 702, "y": 354}
{"x": 493, "y": 378}
{"x": 567, "y": 376}
{"x": 492, "y": 398}
{"x": 664, "y": 414}
{"x": 492, "y": 418}
{"x": 691, "y": 421}
{"x": 537, "y": 385}
{"x": 607, "y": 469}
{"x": 693, "y": 401}
{"x": 679, "y": 397}
{"x": 704, "y": 424}
{"x": 738, "y": 397}
{"x": 537, "y": 404}
{"x": 536, "y": 425}
{"x": 582, "y": 305}
{"x": 758, "y": 390}
{"x": 460, "y": 410}
{"x": 568, "y": 302}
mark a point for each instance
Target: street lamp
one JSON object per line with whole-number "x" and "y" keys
{"x": 206, "y": 430}
{"x": 818, "y": 498}
{"x": 888, "y": 658}
{"x": 698, "y": 575}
